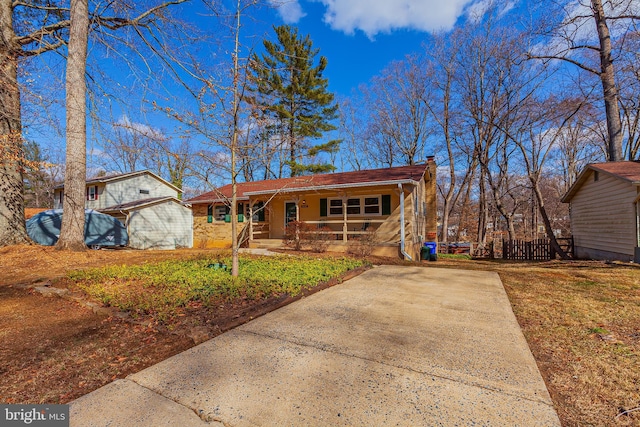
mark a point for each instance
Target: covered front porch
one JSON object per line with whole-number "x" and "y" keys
{"x": 341, "y": 219}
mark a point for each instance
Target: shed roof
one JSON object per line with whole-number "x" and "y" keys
{"x": 401, "y": 174}
{"x": 627, "y": 171}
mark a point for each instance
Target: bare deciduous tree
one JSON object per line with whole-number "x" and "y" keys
{"x": 73, "y": 221}
{"x": 72, "y": 229}
{"x": 568, "y": 41}
{"x": 39, "y": 28}
{"x": 355, "y": 143}
{"x": 442, "y": 106}
{"x": 629, "y": 82}
{"x": 219, "y": 113}
{"x": 37, "y": 34}
{"x": 394, "y": 114}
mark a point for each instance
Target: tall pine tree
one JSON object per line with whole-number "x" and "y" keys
{"x": 291, "y": 94}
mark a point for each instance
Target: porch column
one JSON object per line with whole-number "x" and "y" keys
{"x": 345, "y": 226}
{"x": 250, "y": 220}
{"x": 296, "y": 200}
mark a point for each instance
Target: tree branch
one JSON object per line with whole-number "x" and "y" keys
{"x": 18, "y": 3}
{"x": 44, "y": 31}
{"x": 564, "y": 58}
{"x": 585, "y": 46}
{"x": 115, "y": 22}
{"x": 42, "y": 49}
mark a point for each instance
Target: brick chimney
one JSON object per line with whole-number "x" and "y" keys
{"x": 431, "y": 226}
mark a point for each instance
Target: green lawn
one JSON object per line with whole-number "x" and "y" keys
{"x": 159, "y": 289}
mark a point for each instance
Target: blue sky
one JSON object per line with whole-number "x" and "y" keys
{"x": 355, "y": 58}
{"x": 360, "y": 37}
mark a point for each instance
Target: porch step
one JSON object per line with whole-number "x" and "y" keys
{"x": 266, "y": 243}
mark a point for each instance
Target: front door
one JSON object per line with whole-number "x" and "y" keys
{"x": 289, "y": 212}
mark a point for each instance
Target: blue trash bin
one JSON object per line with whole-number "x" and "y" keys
{"x": 433, "y": 250}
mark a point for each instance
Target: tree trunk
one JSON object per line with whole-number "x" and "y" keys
{"x": 545, "y": 218}
{"x": 607, "y": 77}
{"x": 72, "y": 230}
{"x": 235, "y": 247}
{"x": 468, "y": 182}
{"x": 12, "y": 224}
{"x": 483, "y": 214}
{"x": 448, "y": 197}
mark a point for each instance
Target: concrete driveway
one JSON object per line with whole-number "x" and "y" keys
{"x": 395, "y": 346}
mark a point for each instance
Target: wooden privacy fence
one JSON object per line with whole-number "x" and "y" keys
{"x": 536, "y": 250}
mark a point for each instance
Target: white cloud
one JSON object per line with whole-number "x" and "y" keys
{"x": 382, "y": 16}
{"x": 476, "y": 11}
{"x": 290, "y": 10}
{"x": 133, "y": 127}
{"x": 96, "y": 152}
{"x": 579, "y": 26}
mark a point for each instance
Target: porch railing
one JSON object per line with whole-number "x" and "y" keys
{"x": 350, "y": 227}
{"x": 342, "y": 230}
{"x": 259, "y": 230}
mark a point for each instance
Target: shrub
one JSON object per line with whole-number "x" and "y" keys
{"x": 299, "y": 235}
{"x": 317, "y": 239}
{"x": 363, "y": 245}
{"x": 291, "y": 237}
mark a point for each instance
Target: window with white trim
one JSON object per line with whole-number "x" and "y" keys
{"x": 362, "y": 205}
{"x": 335, "y": 207}
{"x": 372, "y": 205}
{"x": 92, "y": 192}
{"x": 353, "y": 206}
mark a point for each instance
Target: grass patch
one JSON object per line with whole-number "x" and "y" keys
{"x": 582, "y": 323}
{"x": 160, "y": 289}
{"x": 454, "y": 256}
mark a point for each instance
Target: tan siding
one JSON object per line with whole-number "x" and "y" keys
{"x": 603, "y": 215}
{"x": 163, "y": 226}
{"x": 215, "y": 234}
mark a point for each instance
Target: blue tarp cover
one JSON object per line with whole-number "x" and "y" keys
{"x": 99, "y": 229}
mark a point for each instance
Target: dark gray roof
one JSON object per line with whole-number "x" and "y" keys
{"x": 119, "y": 176}
{"x": 137, "y": 204}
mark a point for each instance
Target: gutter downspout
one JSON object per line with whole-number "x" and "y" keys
{"x": 402, "y": 244}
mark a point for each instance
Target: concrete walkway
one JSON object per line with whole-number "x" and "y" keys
{"x": 405, "y": 346}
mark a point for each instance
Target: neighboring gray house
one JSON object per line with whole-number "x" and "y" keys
{"x": 147, "y": 204}
{"x": 605, "y": 212}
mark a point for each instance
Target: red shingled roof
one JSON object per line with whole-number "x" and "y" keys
{"x": 314, "y": 182}
{"x": 627, "y": 171}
